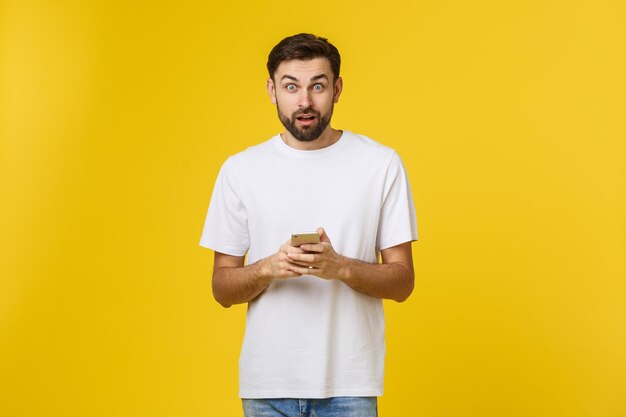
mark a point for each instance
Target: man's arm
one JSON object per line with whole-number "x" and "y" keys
{"x": 234, "y": 283}
{"x": 393, "y": 279}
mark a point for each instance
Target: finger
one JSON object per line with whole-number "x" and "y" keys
{"x": 294, "y": 249}
{"x": 306, "y": 257}
{"x": 285, "y": 270}
{"x": 287, "y": 248}
{"x": 289, "y": 274}
{"x": 303, "y": 270}
{"x": 313, "y": 247}
{"x": 296, "y": 262}
{"x": 323, "y": 236}
{"x": 302, "y": 264}
{"x": 283, "y": 257}
{"x": 284, "y": 263}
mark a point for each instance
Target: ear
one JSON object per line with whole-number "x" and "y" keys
{"x": 271, "y": 90}
{"x": 338, "y": 87}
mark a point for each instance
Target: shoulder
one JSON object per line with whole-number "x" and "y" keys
{"x": 241, "y": 163}
{"x": 372, "y": 149}
{"x": 256, "y": 154}
{"x": 260, "y": 150}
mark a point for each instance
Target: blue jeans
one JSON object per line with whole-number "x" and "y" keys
{"x": 324, "y": 407}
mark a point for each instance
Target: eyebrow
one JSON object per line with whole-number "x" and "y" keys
{"x": 319, "y": 77}
{"x": 315, "y": 78}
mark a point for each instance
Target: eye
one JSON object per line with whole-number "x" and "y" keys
{"x": 290, "y": 87}
{"x": 318, "y": 87}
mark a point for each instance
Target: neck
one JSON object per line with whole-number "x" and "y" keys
{"x": 328, "y": 137}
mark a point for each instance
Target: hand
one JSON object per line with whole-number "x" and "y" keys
{"x": 278, "y": 265}
{"x": 318, "y": 259}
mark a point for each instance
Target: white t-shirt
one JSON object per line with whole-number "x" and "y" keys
{"x": 308, "y": 337}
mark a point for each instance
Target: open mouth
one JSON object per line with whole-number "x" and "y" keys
{"x": 306, "y": 119}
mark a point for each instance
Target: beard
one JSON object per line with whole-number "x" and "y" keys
{"x": 305, "y": 133}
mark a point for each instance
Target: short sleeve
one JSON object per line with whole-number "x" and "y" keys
{"x": 397, "y": 218}
{"x": 226, "y": 226}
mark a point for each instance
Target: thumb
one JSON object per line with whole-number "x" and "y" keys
{"x": 323, "y": 236}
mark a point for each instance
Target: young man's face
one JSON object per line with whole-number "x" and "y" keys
{"x": 304, "y": 93}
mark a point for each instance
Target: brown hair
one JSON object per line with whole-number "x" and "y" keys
{"x": 304, "y": 46}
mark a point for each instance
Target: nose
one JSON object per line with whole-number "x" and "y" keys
{"x": 304, "y": 99}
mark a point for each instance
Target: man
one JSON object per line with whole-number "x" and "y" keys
{"x": 314, "y": 341}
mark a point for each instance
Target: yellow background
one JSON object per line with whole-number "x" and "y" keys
{"x": 509, "y": 116}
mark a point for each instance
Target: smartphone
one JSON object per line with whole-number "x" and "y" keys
{"x": 301, "y": 238}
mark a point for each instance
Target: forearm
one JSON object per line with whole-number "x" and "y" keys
{"x": 236, "y": 285}
{"x": 393, "y": 281}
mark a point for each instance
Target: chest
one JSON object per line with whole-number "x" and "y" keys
{"x": 344, "y": 197}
